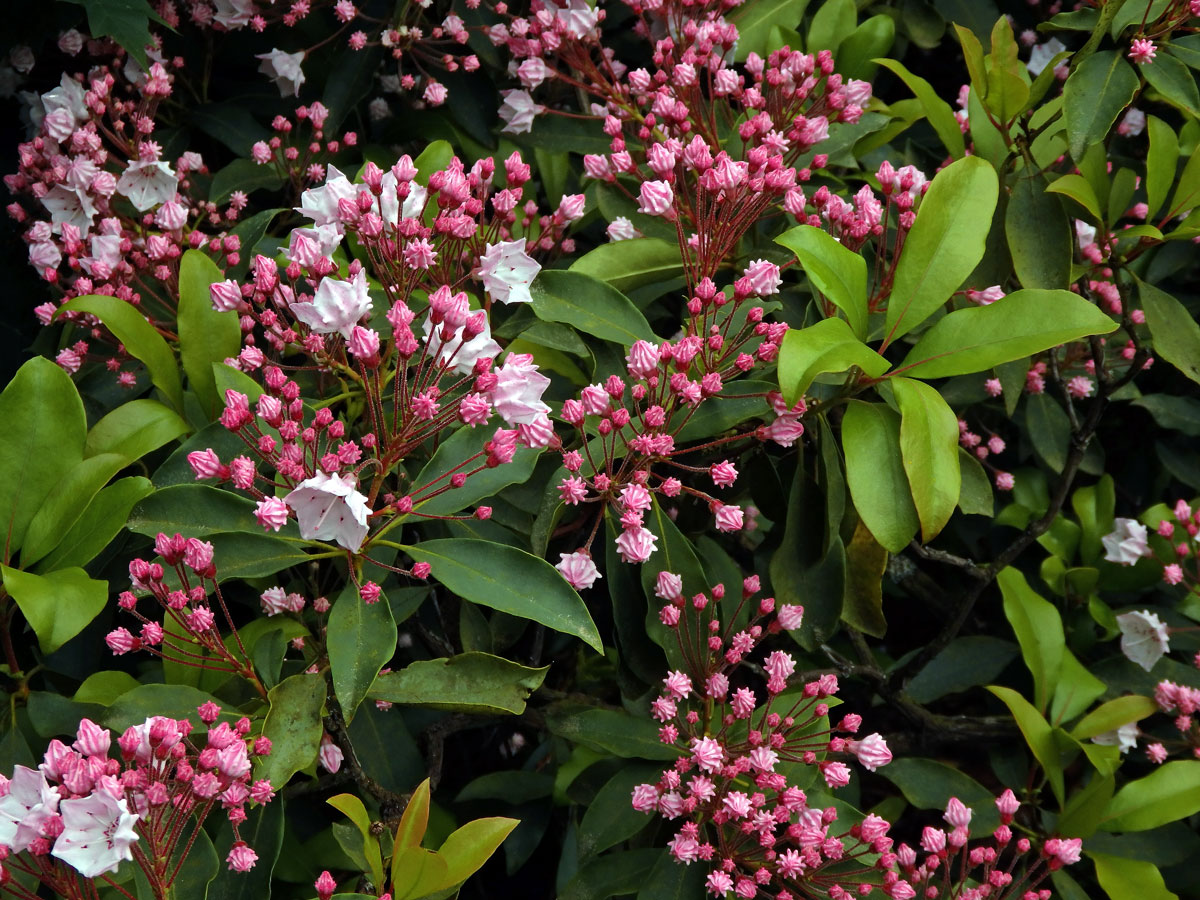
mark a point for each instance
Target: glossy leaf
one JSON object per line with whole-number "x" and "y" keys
{"x": 836, "y": 271}
{"x": 965, "y": 663}
{"x": 607, "y": 821}
{"x": 1175, "y": 332}
{"x": 1096, "y": 92}
{"x": 469, "y": 847}
{"x": 294, "y": 726}
{"x": 632, "y": 263}
{"x": 611, "y": 730}
{"x": 832, "y": 23}
{"x": 206, "y": 336}
{"x": 466, "y": 444}
{"x": 875, "y": 473}
{"x": 981, "y": 337}
{"x": 827, "y": 347}
{"x": 872, "y": 39}
{"x": 470, "y": 682}
{"x": 592, "y": 306}
{"x": 1187, "y": 192}
{"x": 511, "y": 581}
{"x": 1113, "y": 714}
{"x": 1038, "y": 734}
{"x": 1174, "y": 81}
{"x": 354, "y": 810}
{"x": 66, "y": 502}
{"x": 1039, "y": 235}
{"x": 937, "y": 110}
{"x": 43, "y": 437}
{"x": 1168, "y": 793}
{"x": 360, "y": 639}
{"x": 134, "y": 429}
{"x": 866, "y": 561}
{"x": 754, "y": 22}
{"x": 415, "y": 820}
{"x": 1130, "y": 879}
{"x": 141, "y": 340}
{"x": 975, "y": 497}
{"x": 1039, "y": 631}
{"x": 928, "y": 784}
{"x": 57, "y": 605}
{"x": 1078, "y": 189}
{"x": 195, "y": 510}
{"x": 945, "y": 244}
{"x": 929, "y": 449}
{"x": 1161, "y": 161}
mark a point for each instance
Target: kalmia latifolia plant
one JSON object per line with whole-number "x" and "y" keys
{"x": 646, "y": 449}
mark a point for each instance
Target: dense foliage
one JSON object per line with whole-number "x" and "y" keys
{"x": 462, "y": 448}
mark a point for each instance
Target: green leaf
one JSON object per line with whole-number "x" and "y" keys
{"x": 294, "y": 727}
{"x": 470, "y": 682}
{"x": 590, "y": 305}
{"x": 242, "y": 175}
{"x": 1187, "y": 192}
{"x": 66, "y": 502}
{"x": 929, "y": 449}
{"x": 1094, "y": 506}
{"x": 206, "y": 336}
{"x": 965, "y": 663}
{"x": 1038, "y": 735}
{"x": 125, "y": 21}
{"x": 195, "y": 510}
{"x": 1023, "y": 323}
{"x": 836, "y": 271}
{"x": 613, "y": 731}
{"x": 1077, "y": 689}
{"x": 141, "y": 340}
{"x": 247, "y": 555}
{"x": 179, "y": 701}
{"x": 1161, "y": 162}
{"x": 1085, "y": 807}
{"x": 1039, "y": 631}
{"x": 937, "y": 110}
{"x": 414, "y": 822}
{"x": 827, "y": 347}
{"x": 617, "y": 874}
{"x": 1039, "y": 235}
{"x": 875, "y": 473}
{"x": 1130, "y": 879}
{"x": 57, "y": 605}
{"x": 196, "y": 867}
{"x": 1169, "y": 793}
{"x": 360, "y": 638}
{"x": 513, "y": 786}
{"x": 511, "y": 581}
{"x": 43, "y": 437}
{"x": 975, "y": 497}
{"x": 973, "y": 56}
{"x": 607, "y": 820}
{"x": 1172, "y": 79}
{"x": 262, "y": 830}
{"x": 631, "y": 264}
{"x": 105, "y": 687}
{"x": 1080, "y": 190}
{"x": 467, "y": 444}
{"x": 945, "y": 244}
{"x": 872, "y": 39}
{"x": 928, "y": 784}
{"x": 832, "y": 23}
{"x": 1113, "y": 714}
{"x": 1096, "y": 92}
{"x": 417, "y": 872}
{"x": 754, "y": 22}
{"x": 133, "y": 429}
{"x": 353, "y": 809}
{"x": 866, "y": 561}
{"x": 1175, "y": 332}
{"x": 467, "y": 849}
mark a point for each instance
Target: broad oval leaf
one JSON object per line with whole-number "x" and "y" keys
{"x": 66, "y": 502}
{"x": 1039, "y": 235}
{"x": 57, "y": 605}
{"x": 836, "y": 271}
{"x": 982, "y": 337}
{"x": 206, "y": 336}
{"x": 1167, "y": 794}
{"x": 141, "y": 339}
{"x": 510, "y": 580}
{"x": 133, "y": 429}
{"x": 754, "y": 22}
{"x": 470, "y": 682}
{"x": 632, "y": 263}
{"x": 590, "y": 305}
{"x": 101, "y": 521}
{"x": 360, "y": 638}
{"x": 945, "y": 244}
{"x": 929, "y": 447}
{"x": 1175, "y": 332}
{"x": 828, "y": 346}
{"x": 294, "y": 727}
{"x": 1094, "y": 95}
{"x": 875, "y": 473}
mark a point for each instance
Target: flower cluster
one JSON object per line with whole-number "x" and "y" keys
{"x": 82, "y": 811}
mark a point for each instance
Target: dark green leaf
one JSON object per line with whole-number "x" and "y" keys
{"x": 631, "y": 264}
{"x": 1039, "y": 235}
{"x": 470, "y": 682}
{"x": 465, "y": 446}
{"x": 57, "y": 605}
{"x": 927, "y": 784}
{"x": 965, "y": 663}
{"x": 1175, "y": 332}
{"x": 1174, "y": 81}
{"x": 612, "y": 731}
{"x": 294, "y": 727}
{"x": 590, "y": 305}
{"x": 205, "y": 335}
{"x": 875, "y": 473}
{"x": 360, "y": 638}
{"x": 1095, "y": 94}
{"x": 837, "y": 272}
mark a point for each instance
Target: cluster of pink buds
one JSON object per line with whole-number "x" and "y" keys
{"x": 983, "y": 450}
{"x": 300, "y": 151}
{"x": 1004, "y": 869}
{"x": 82, "y": 812}
{"x": 181, "y": 584}
{"x": 1183, "y": 703}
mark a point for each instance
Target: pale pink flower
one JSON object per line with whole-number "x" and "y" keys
{"x": 578, "y": 569}
{"x": 321, "y": 204}
{"x": 507, "y": 271}
{"x": 1142, "y": 51}
{"x": 1043, "y": 54}
{"x": 1127, "y": 544}
{"x": 1144, "y": 638}
{"x": 98, "y": 833}
{"x": 330, "y": 755}
{"x": 957, "y": 814}
{"x": 271, "y": 513}
{"x": 328, "y": 507}
{"x": 518, "y": 111}
{"x": 69, "y": 206}
{"x": 147, "y": 184}
{"x": 636, "y": 544}
{"x": 30, "y": 801}
{"x": 790, "y": 616}
{"x": 459, "y": 354}
{"x": 621, "y": 229}
{"x": 655, "y": 198}
{"x": 284, "y": 69}
{"x": 337, "y": 306}
{"x": 729, "y": 517}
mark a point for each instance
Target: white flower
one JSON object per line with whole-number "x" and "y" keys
{"x": 578, "y": 18}
{"x": 391, "y": 209}
{"x": 69, "y": 95}
{"x": 328, "y": 507}
{"x": 508, "y": 271}
{"x": 321, "y": 204}
{"x": 464, "y": 355}
{"x": 1127, "y": 544}
{"x": 147, "y": 184}
{"x": 1085, "y": 233}
{"x": 1144, "y": 638}
{"x": 30, "y": 801}
{"x": 1125, "y": 737}
{"x": 233, "y": 14}
{"x": 337, "y": 306}
{"x": 284, "y": 69}
{"x": 68, "y": 206}
{"x": 517, "y": 395}
{"x": 97, "y": 834}
{"x": 518, "y": 111}
{"x": 1041, "y": 55}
